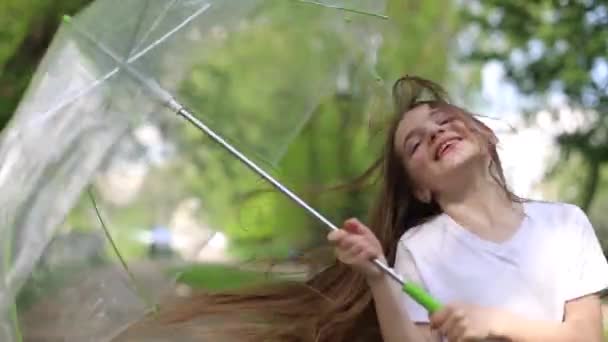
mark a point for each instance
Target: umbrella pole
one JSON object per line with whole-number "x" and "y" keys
{"x": 415, "y": 291}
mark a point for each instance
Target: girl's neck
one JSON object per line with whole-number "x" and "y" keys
{"x": 483, "y": 207}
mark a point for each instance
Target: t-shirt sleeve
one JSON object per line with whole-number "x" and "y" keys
{"x": 588, "y": 271}
{"x": 406, "y": 267}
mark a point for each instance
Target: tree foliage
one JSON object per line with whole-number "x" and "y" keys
{"x": 552, "y": 47}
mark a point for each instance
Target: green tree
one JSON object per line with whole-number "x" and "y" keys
{"x": 550, "y": 47}
{"x": 563, "y": 184}
{"x": 28, "y": 26}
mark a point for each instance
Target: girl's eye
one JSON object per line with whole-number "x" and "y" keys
{"x": 414, "y": 147}
{"x": 444, "y": 121}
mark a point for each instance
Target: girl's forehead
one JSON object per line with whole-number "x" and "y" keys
{"x": 425, "y": 112}
{"x": 411, "y": 120}
{"x": 418, "y": 114}
{"x": 415, "y": 117}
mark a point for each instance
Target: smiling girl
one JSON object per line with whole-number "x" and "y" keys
{"x": 507, "y": 268}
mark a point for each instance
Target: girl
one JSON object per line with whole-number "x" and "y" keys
{"x": 504, "y": 267}
{"x": 509, "y": 269}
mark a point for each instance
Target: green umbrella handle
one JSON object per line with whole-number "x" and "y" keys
{"x": 422, "y": 297}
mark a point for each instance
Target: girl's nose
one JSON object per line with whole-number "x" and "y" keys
{"x": 435, "y": 132}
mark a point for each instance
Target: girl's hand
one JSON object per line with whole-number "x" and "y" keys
{"x": 356, "y": 245}
{"x": 464, "y": 323}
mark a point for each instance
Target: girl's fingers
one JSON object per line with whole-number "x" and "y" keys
{"x": 455, "y": 333}
{"x": 351, "y": 228}
{"x": 340, "y": 239}
{"x": 439, "y": 317}
{"x": 460, "y": 332}
{"x": 362, "y": 249}
{"x": 355, "y": 226}
{"x": 341, "y": 236}
{"x": 346, "y": 257}
{"x": 352, "y": 225}
{"x": 370, "y": 255}
{"x": 364, "y": 256}
{"x": 351, "y": 252}
{"x": 351, "y": 246}
{"x": 336, "y": 235}
{"x": 340, "y": 255}
{"x": 355, "y": 250}
{"x": 349, "y": 241}
{"x": 454, "y": 326}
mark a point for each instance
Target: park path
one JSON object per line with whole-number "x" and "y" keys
{"x": 103, "y": 302}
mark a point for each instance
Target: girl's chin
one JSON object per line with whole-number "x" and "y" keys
{"x": 456, "y": 160}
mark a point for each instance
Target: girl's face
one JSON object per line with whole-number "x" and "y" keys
{"x": 435, "y": 145}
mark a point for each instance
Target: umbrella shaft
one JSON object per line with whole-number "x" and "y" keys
{"x": 222, "y": 142}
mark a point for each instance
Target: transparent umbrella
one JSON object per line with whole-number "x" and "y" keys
{"x": 117, "y": 68}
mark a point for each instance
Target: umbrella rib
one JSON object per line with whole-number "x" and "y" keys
{"x": 42, "y": 117}
{"x": 136, "y": 30}
{"x": 345, "y": 9}
{"x": 122, "y": 260}
{"x": 133, "y": 42}
{"x": 170, "y": 33}
{"x": 46, "y": 115}
{"x": 155, "y": 24}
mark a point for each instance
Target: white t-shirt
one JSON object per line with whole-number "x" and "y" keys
{"x": 553, "y": 257}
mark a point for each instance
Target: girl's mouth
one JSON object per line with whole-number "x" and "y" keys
{"x": 445, "y": 147}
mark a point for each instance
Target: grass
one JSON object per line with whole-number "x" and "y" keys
{"x": 219, "y": 278}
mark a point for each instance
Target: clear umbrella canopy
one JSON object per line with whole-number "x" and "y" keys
{"x": 260, "y": 73}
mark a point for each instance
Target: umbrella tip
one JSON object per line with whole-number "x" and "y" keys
{"x": 67, "y": 19}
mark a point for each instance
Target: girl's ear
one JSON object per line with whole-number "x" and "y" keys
{"x": 423, "y": 195}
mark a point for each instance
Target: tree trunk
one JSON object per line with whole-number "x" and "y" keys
{"x": 591, "y": 183}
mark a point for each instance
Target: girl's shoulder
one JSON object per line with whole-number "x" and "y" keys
{"x": 552, "y": 215}
{"x": 563, "y": 221}
{"x": 553, "y": 211}
{"x": 425, "y": 231}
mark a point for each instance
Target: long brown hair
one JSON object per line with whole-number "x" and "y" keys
{"x": 335, "y": 304}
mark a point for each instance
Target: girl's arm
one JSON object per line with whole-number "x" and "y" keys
{"x": 395, "y": 324}
{"x": 356, "y": 245}
{"x": 583, "y": 322}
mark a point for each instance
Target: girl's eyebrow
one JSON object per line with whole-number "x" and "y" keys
{"x": 434, "y": 112}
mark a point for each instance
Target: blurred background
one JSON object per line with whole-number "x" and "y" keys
{"x": 166, "y": 212}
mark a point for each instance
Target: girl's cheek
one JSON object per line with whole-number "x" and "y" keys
{"x": 416, "y": 158}
{"x": 417, "y": 164}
